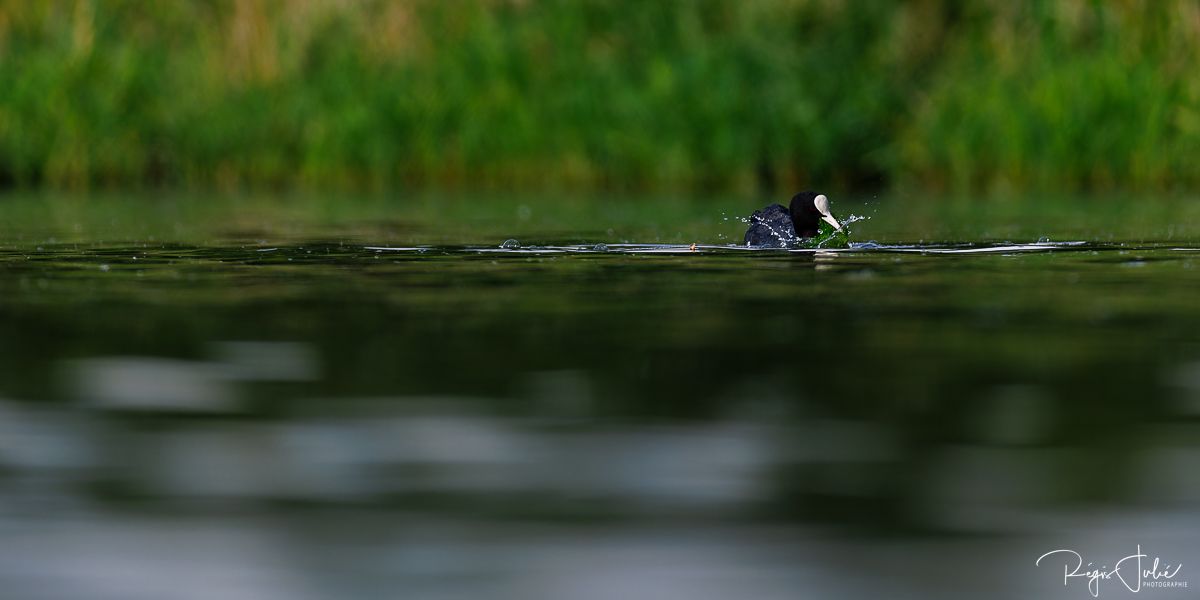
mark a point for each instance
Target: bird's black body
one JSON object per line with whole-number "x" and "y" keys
{"x": 771, "y": 227}
{"x": 777, "y": 227}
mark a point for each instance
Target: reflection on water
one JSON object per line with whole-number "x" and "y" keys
{"x": 340, "y": 420}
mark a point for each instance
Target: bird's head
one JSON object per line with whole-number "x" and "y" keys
{"x": 808, "y": 210}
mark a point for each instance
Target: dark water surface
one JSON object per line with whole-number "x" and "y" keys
{"x": 326, "y": 398}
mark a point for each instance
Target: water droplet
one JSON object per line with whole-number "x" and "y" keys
{"x": 510, "y": 244}
{"x": 104, "y": 268}
{"x": 600, "y": 248}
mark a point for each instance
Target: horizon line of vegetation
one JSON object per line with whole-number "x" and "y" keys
{"x": 675, "y": 95}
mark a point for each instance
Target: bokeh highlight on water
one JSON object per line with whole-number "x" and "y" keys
{"x": 273, "y": 416}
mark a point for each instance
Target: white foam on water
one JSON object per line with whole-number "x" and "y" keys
{"x": 681, "y": 249}
{"x": 1035, "y": 247}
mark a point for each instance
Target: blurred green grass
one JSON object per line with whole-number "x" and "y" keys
{"x": 615, "y": 95}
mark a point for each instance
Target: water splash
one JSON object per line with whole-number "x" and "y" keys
{"x": 854, "y": 219}
{"x": 786, "y": 238}
{"x": 859, "y": 248}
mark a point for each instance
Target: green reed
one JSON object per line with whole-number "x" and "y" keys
{"x": 687, "y": 95}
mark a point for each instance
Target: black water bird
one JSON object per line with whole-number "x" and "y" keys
{"x": 777, "y": 227}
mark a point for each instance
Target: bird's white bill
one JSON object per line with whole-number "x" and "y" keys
{"x": 822, "y": 204}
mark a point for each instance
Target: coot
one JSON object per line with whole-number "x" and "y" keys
{"x": 777, "y": 227}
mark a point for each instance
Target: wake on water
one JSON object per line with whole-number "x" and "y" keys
{"x": 855, "y": 247}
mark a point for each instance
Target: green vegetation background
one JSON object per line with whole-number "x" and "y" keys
{"x": 1057, "y": 95}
